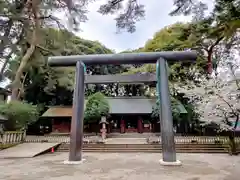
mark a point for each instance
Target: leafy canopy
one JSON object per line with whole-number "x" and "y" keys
{"x": 177, "y": 108}
{"x": 96, "y": 107}
{"x": 19, "y": 114}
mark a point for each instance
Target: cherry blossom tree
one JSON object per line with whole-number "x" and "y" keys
{"x": 217, "y": 99}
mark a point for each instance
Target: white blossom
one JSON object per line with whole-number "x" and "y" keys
{"x": 217, "y": 100}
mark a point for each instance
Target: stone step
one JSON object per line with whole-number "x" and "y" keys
{"x": 151, "y": 150}
{"x": 178, "y": 148}
{"x": 126, "y": 141}
{"x": 148, "y": 145}
{"x": 182, "y": 148}
{"x": 145, "y": 149}
{"x": 131, "y": 135}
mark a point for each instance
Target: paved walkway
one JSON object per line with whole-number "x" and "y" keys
{"x": 124, "y": 166}
{"x": 26, "y": 150}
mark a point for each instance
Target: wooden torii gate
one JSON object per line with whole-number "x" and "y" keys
{"x": 166, "y": 121}
{"x": 120, "y": 78}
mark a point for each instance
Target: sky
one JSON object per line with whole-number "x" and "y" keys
{"x": 103, "y": 28}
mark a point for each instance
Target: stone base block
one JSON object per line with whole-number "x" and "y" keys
{"x": 176, "y": 163}
{"x": 74, "y": 162}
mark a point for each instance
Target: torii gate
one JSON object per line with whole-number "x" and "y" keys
{"x": 167, "y": 135}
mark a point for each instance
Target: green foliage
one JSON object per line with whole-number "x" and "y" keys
{"x": 66, "y": 43}
{"x": 150, "y": 68}
{"x": 222, "y": 23}
{"x": 173, "y": 37}
{"x": 96, "y": 107}
{"x": 177, "y": 108}
{"x": 54, "y": 86}
{"x": 176, "y": 37}
{"x": 227, "y": 13}
{"x": 56, "y": 43}
{"x": 19, "y": 114}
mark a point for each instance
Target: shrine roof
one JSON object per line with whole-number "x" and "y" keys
{"x": 118, "y": 105}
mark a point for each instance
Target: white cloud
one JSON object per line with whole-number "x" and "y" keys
{"x": 103, "y": 29}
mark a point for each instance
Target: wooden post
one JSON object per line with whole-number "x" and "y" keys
{"x": 166, "y": 120}
{"x": 76, "y": 135}
{"x": 122, "y": 126}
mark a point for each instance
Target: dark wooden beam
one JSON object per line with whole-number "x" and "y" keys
{"x": 119, "y": 78}
{"x": 123, "y": 58}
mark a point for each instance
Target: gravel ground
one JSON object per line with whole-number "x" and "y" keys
{"x": 121, "y": 166}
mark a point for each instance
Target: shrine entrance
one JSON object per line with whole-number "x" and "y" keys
{"x": 132, "y": 124}
{"x": 166, "y": 121}
{"x": 126, "y": 124}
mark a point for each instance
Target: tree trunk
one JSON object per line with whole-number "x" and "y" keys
{"x": 233, "y": 147}
{"x": 20, "y": 70}
{"x": 127, "y": 90}
{"x": 134, "y": 90}
{"x": 117, "y": 88}
{"x": 24, "y": 61}
{"x": 209, "y": 61}
{"x": 98, "y": 88}
{"x": 210, "y": 54}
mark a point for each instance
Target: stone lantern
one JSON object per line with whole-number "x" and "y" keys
{"x": 3, "y": 119}
{"x": 103, "y": 129}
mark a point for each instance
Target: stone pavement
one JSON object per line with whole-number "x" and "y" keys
{"x": 115, "y": 166}
{"x": 26, "y": 150}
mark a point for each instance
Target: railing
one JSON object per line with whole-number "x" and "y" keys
{"x": 197, "y": 139}
{"x": 13, "y": 137}
{"x": 60, "y": 139}
{"x": 204, "y": 139}
{"x": 151, "y": 139}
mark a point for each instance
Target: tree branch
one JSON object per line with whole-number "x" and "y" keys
{"x": 45, "y": 49}
{"x": 210, "y": 49}
{"x": 14, "y": 18}
{"x": 229, "y": 105}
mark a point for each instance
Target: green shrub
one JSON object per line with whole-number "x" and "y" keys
{"x": 19, "y": 114}
{"x": 96, "y": 107}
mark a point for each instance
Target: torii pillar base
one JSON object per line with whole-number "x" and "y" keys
{"x": 74, "y": 162}
{"x": 176, "y": 163}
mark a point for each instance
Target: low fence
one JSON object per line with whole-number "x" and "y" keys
{"x": 197, "y": 139}
{"x": 151, "y": 139}
{"x": 60, "y": 139}
{"x": 13, "y": 137}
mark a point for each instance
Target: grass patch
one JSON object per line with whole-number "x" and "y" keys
{"x": 5, "y": 146}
